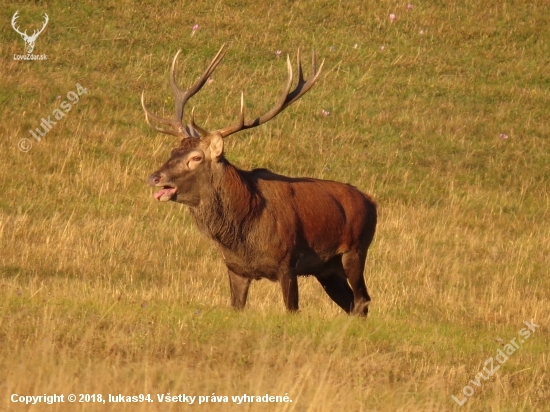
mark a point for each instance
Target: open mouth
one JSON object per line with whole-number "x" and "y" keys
{"x": 166, "y": 193}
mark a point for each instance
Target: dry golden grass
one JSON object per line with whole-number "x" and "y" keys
{"x": 103, "y": 290}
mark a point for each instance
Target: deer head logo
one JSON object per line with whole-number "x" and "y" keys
{"x": 29, "y": 40}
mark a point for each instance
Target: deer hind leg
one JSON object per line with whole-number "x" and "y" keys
{"x": 239, "y": 289}
{"x": 353, "y": 263}
{"x": 335, "y": 284}
{"x": 289, "y": 286}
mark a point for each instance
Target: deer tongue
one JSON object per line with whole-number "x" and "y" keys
{"x": 165, "y": 194}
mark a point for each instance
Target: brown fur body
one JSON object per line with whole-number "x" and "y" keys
{"x": 276, "y": 227}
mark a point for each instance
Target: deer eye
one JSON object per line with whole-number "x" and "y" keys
{"x": 196, "y": 158}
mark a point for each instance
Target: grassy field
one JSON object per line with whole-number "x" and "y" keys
{"x": 442, "y": 114}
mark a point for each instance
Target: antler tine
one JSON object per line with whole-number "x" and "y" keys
{"x": 304, "y": 85}
{"x": 180, "y": 98}
{"x": 37, "y": 33}
{"x": 282, "y": 102}
{"x": 287, "y": 98}
{"x": 174, "y": 131}
{"x": 196, "y": 127}
{"x": 13, "y": 23}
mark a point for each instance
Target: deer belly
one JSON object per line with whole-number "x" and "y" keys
{"x": 253, "y": 270}
{"x": 310, "y": 263}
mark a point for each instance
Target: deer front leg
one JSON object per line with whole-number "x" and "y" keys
{"x": 239, "y": 289}
{"x": 289, "y": 286}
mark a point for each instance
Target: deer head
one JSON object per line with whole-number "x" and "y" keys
{"x": 188, "y": 171}
{"x": 29, "y": 40}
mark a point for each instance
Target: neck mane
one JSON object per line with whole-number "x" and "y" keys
{"x": 228, "y": 205}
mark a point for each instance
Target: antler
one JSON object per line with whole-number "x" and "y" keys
{"x": 180, "y": 99}
{"x": 15, "y": 16}
{"x": 37, "y": 33}
{"x": 24, "y": 34}
{"x": 287, "y": 97}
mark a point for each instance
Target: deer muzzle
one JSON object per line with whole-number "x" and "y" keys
{"x": 168, "y": 191}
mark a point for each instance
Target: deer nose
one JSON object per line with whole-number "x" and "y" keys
{"x": 154, "y": 179}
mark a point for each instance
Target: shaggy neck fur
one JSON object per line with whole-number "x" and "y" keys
{"x": 228, "y": 205}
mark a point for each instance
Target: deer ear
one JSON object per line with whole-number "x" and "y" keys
{"x": 216, "y": 146}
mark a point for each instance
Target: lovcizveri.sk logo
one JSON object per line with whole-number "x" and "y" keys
{"x": 29, "y": 40}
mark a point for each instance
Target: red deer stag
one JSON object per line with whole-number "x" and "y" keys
{"x": 267, "y": 225}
